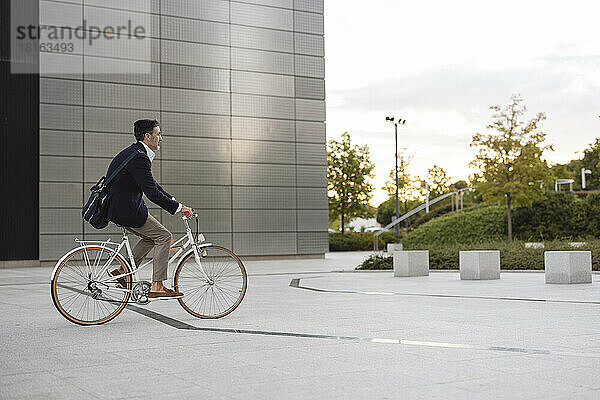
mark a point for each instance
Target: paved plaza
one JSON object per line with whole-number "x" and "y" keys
{"x": 314, "y": 329}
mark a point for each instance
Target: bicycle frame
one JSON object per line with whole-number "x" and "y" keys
{"x": 102, "y": 275}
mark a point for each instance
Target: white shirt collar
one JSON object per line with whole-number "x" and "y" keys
{"x": 148, "y": 151}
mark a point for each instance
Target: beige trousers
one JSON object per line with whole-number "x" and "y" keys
{"x": 153, "y": 234}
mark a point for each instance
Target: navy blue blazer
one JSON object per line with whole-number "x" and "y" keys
{"x": 126, "y": 206}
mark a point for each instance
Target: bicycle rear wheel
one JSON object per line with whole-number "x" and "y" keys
{"x": 219, "y": 297}
{"x": 83, "y": 300}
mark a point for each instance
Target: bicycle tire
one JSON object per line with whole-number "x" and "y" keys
{"x": 71, "y": 291}
{"x": 211, "y": 301}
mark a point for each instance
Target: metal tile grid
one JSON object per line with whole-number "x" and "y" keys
{"x": 197, "y": 53}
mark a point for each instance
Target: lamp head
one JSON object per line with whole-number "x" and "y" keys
{"x": 390, "y": 119}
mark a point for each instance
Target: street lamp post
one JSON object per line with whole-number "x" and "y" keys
{"x": 396, "y": 123}
{"x": 583, "y": 173}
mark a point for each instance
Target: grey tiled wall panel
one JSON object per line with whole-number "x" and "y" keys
{"x": 61, "y": 91}
{"x": 312, "y": 176}
{"x": 61, "y": 65}
{"x": 52, "y": 247}
{"x": 106, "y": 144}
{"x": 244, "y": 137}
{"x": 312, "y": 45}
{"x": 60, "y": 194}
{"x": 61, "y": 169}
{"x": 195, "y": 125}
{"x": 252, "y": 151}
{"x": 262, "y": 129}
{"x": 60, "y": 220}
{"x": 147, "y": 49}
{"x": 312, "y": 198}
{"x": 106, "y": 17}
{"x": 131, "y": 72}
{"x": 311, "y": 154}
{"x": 256, "y": 198}
{"x": 309, "y": 5}
{"x": 202, "y": 55}
{"x": 195, "y": 101}
{"x": 310, "y": 110}
{"x": 274, "y": 3}
{"x": 115, "y": 120}
{"x": 313, "y": 220}
{"x": 191, "y": 30}
{"x": 264, "y": 175}
{"x": 60, "y": 14}
{"x": 61, "y": 143}
{"x": 265, "y": 243}
{"x": 210, "y": 221}
{"x": 258, "y": 83}
{"x": 265, "y": 17}
{"x": 313, "y": 242}
{"x": 201, "y": 197}
{"x": 61, "y": 117}
{"x": 196, "y": 173}
{"x": 313, "y": 132}
{"x": 262, "y": 39}
{"x": 196, "y": 149}
{"x": 264, "y": 220}
{"x": 310, "y": 88}
{"x": 146, "y": 6}
{"x": 219, "y": 239}
{"x": 262, "y": 61}
{"x": 310, "y": 66}
{"x": 308, "y": 22}
{"x": 244, "y": 105}
{"x": 121, "y": 96}
{"x": 187, "y": 77}
{"x": 210, "y": 10}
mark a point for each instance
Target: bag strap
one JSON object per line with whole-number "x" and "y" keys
{"x": 120, "y": 167}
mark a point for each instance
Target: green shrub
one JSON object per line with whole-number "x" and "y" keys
{"x": 435, "y": 212}
{"x": 481, "y": 224}
{"x": 513, "y": 256}
{"x": 352, "y": 241}
{"x": 376, "y": 261}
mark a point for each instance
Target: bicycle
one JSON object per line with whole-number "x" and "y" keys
{"x": 212, "y": 278}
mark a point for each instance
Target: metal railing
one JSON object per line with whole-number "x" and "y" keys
{"x": 414, "y": 211}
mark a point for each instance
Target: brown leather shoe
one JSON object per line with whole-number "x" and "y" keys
{"x": 122, "y": 280}
{"x": 165, "y": 294}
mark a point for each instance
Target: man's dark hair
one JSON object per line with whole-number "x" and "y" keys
{"x": 143, "y": 126}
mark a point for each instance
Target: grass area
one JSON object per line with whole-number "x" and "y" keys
{"x": 513, "y": 256}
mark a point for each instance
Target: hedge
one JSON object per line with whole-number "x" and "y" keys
{"x": 476, "y": 225}
{"x": 513, "y": 256}
{"x": 356, "y": 241}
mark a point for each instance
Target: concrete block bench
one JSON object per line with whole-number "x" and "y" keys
{"x": 479, "y": 264}
{"x": 391, "y": 247}
{"x": 411, "y": 263}
{"x": 568, "y": 266}
{"x": 534, "y": 245}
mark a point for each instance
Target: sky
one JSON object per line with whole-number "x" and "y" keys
{"x": 440, "y": 64}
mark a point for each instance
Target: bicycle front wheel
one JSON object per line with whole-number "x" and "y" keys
{"x": 82, "y": 289}
{"x": 223, "y": 292}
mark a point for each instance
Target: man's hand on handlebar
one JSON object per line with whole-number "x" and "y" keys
{"x": 185, "y": 210}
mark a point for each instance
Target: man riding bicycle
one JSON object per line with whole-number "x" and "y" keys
{"x": 128, "y": 209}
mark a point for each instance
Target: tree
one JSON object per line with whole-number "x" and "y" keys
{"x": 591, "y": 161}
{"x": 510, "y": 157}
{"x": 406, "y": 192}
{"x": 348, "y": 173}
{"x": 438, "y": 181}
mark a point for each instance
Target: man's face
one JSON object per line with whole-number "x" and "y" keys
{"x": 153, "y": 139}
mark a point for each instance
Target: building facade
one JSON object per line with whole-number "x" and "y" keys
{"x": 239, "y": 90}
